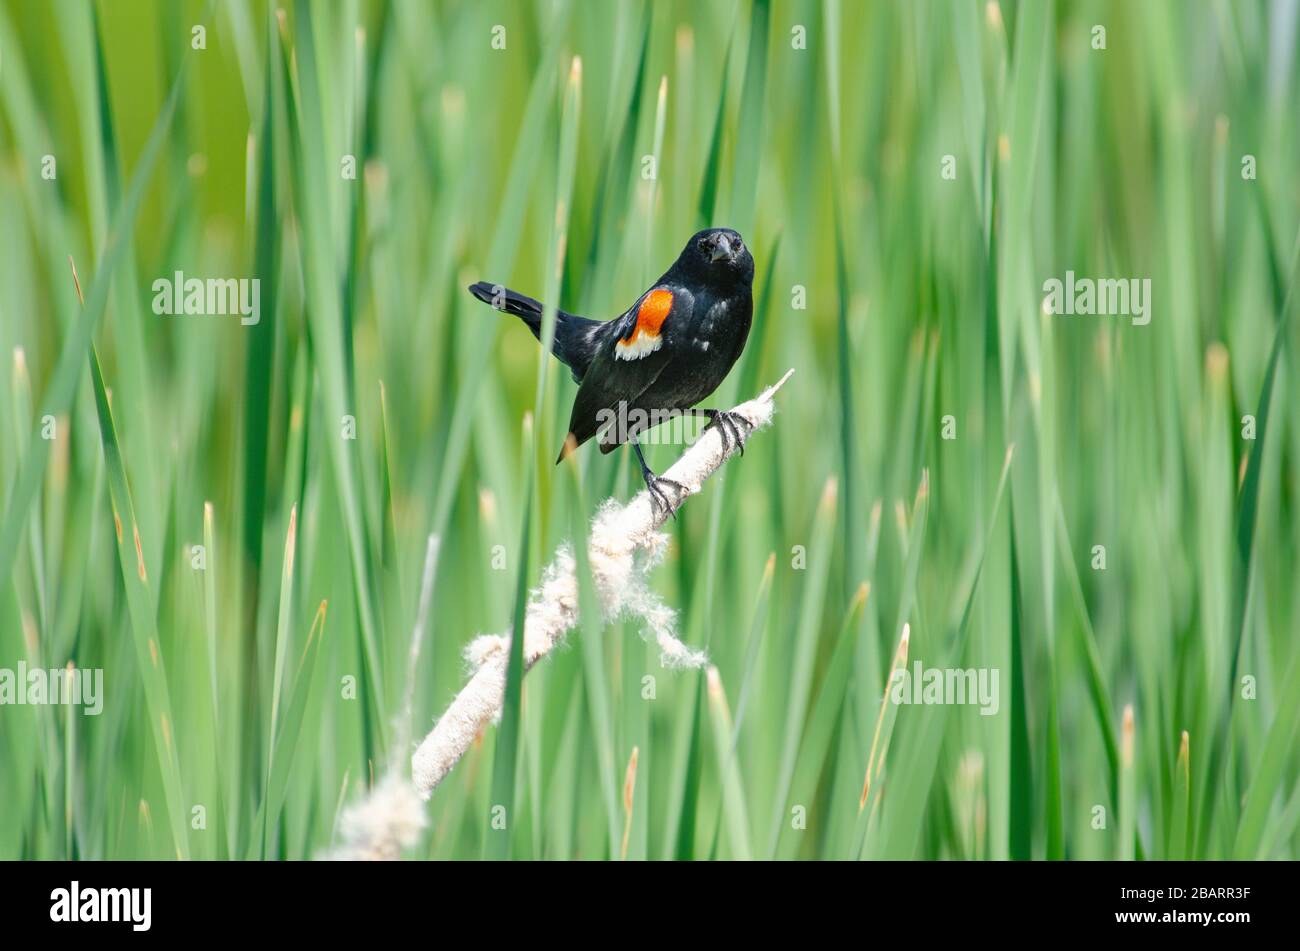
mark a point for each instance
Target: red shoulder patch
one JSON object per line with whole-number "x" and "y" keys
{"x": 653, "y": 311}
{"x": 644, "y": 335}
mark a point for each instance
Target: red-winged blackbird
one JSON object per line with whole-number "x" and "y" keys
{"x": 661, "y": 356}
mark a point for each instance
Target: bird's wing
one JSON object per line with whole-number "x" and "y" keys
{"x": 628, "y": 359}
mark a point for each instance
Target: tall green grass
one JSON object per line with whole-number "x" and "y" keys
{"x": 185, "y": 509}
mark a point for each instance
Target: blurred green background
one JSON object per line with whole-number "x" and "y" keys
{"x": 908, "y": 176}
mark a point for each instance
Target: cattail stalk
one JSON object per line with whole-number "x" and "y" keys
{"x": 629, "y": 799}
{"x": 1127, "y": 787}
{"x": 873, "y": 762}
{"x": 618, "y": 534}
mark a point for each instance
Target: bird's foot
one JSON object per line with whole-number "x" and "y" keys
{"x": 658, "y": 498}
{"x": 729, "y": 426}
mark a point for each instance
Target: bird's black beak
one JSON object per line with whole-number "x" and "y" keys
{"x": 721, "y": 249}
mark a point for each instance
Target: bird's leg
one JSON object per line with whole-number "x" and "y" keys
{"x": 653, "y": 483}
{"x": 728, "y": 425}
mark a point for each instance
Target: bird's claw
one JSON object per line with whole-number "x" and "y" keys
{"x": 658, "y": 498}
{"x": 728, "y": 425}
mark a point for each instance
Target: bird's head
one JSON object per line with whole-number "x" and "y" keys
{"x": 717, "y": 255}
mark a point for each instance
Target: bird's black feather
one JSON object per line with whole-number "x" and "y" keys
{"x": 572, "y": 345}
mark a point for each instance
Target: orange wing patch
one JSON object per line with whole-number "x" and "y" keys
{"x": 644, "y": 337}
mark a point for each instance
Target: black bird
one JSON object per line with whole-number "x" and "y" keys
{"x": 661, "y": 356}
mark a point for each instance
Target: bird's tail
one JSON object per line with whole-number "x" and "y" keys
{"x": 573, "y": 345}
